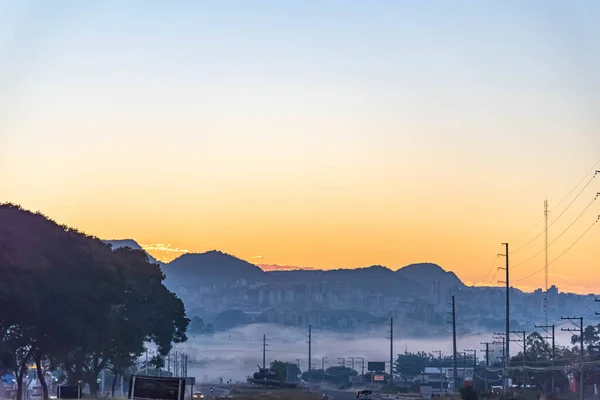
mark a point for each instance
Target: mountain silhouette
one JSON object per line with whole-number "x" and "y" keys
{"x": 426, "y": 273}
{"x": 197, "y": 269}
{"x": 132, "y": 244}
{"x": 211, "y": 264}
{"x": 374, "y": 279}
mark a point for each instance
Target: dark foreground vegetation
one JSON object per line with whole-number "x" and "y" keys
{"x": 68, "y": 301}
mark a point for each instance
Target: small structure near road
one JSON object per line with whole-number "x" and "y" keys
{"x": 267, "y": 378}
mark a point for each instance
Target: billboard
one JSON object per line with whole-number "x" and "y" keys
{"x": 68, "y": 392}
{"x": 377, "y": 366}
{"x": 149, "y": 387}
{"x": 378, "y": 378}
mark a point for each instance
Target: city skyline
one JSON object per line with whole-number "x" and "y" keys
{"x": 327, "y": 135}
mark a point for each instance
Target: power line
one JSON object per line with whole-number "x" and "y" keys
{"x": 484, "y": 281}
{"x": 561, "y": 234}
{"x": 580, "y": 330}
{"x": 559, "y": 215}
{"x": 561, "y": 201}
{"x": 562, "y": 254}
{"x": 592, "y": 169}
{"x": 576, "y": 197}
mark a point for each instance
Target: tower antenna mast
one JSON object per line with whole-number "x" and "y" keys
{"x": 546, "y": 264}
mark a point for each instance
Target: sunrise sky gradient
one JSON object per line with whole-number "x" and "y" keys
{"x": 326, "y": 134}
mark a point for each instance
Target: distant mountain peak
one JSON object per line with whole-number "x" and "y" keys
{"x": 430, "y": 267}
{"x": 376, "y": 269}
{"x": 426, "y": 273}
{"x": 211, "y": 263}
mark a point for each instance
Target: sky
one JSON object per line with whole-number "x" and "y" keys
{"x": 324, "y": 134}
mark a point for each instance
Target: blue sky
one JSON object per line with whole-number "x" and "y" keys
{"x": 322, "y": 109}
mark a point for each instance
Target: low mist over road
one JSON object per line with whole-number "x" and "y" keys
{"x": 234, "y": 354}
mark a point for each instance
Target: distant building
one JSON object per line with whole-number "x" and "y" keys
{"x": 436, "y": 293}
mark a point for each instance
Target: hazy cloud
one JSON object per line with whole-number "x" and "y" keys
{"x": 277, "y": 267}
{"x": 163, "y": 252}
{"x": 234, "y": 354}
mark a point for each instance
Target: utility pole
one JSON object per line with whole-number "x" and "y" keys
{"x": 454, "y": 361}
{"x": 264, "y": 352}
{"x": 580, "y": 330}
{"x": 507, "y": 341}
{"x": 362, "y": 365}
{"x": 352, "y": 363}
{"x": 343, "y": 361}
{"x": 487, "y": 364}
{"x": 392, "y": 352}
{"x": 500, "y": 339}
{"x": 175, "y": 364}
{"x": 474, "y": 361}
{"x": 524, "y": 345}
{"x": 546, "y": 264}
{"x": 441, "y": 367}
{"x": 549, "y": 329}
{"x": 323, "y": 369}
{"x": 309, "y": 352}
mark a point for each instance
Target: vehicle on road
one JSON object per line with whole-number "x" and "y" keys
{"x": 198, "y": 395}
{"x": 365, "y": 395}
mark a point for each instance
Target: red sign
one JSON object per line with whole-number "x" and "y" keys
{"x": 378, "y": 378}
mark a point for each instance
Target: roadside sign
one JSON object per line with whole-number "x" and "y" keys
{"x": 68, "y": 392}
{"x": 426, "y": 392}
{"x": 378, "y": 378}
{"x": 377, "y": 366}
{"x": 149, "y": 387}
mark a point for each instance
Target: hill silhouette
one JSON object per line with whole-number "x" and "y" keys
{"x": 376, "y": 279}
{"x": 425, "y": 273}
{"x": 196, "y": 269}
{"x": 132, "y": 244}
{"x": 192, "y": 267}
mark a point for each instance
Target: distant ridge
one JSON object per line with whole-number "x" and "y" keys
{"x": 132, "y": 244}
{"x": 277, "y": 267}
{"x": 426, "y": 273}
{"x": 191, "y": 269}
{"x": 211, "y": 264}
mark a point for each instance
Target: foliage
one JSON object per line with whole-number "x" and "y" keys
{"x": 410, "y": 365}
{"x": 284, "y": 370}
{"x": 468, "y": 393}
{"x": 197, "y": 327}
{"x": 76, "y": 303}
{"x": 338, "y": 374}
{"x": 538, "y": 357}
{"x": 230, "y": 319}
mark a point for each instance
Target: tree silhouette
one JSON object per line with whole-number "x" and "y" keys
{"x": 75, "y": 301}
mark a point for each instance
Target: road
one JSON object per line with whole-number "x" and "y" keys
{"x": 218, "y": 390}
{"x": 340, "y": 395}
{"x": 343, "y": 395}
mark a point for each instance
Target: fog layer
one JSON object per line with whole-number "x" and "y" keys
{"x": 234, "y": 354}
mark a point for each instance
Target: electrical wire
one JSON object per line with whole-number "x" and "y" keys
{"x": 558, "y": 237}
{"x": 591, "y": 170}
{"x": 557, "y": 218}
{"x": 484, "y": 281}
{"x": 562, "y": 254}
{"x": 561, "y": 201}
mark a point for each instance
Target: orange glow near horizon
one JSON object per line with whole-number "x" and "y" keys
{"x": 320, "y": 136}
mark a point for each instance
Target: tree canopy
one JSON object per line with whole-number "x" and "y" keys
{"x": 68, "y": 298}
